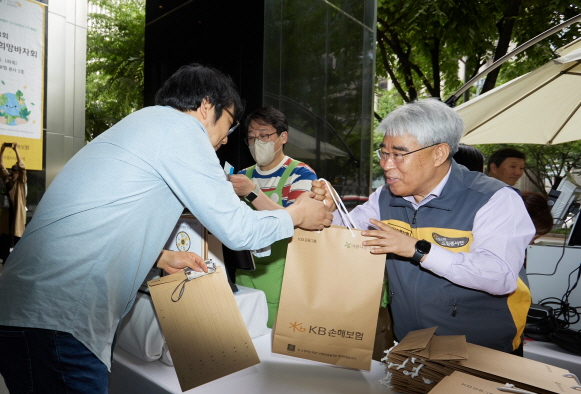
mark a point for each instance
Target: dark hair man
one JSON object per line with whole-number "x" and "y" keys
{"x": 104, "y": 220}
{"x": 454, "y": 239}
{"x": 507, "y": 164}
{"x": 275, "y": 182}
{"x": 470, "y": 157}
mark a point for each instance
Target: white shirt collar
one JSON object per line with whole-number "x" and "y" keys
{"x": 433, "y": 194}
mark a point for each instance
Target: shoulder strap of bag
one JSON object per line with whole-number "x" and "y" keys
{"x": 250, "y": 171}
{"x": 285, "y": 175}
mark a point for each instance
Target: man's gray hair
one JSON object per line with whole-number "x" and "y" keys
{"x": 429, "y": 121}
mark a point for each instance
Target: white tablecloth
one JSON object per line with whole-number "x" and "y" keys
{"x": 275, "y": 374}
{"x": 549, "y": 353}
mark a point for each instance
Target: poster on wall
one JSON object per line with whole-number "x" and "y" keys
{"x": 22, "y": 51}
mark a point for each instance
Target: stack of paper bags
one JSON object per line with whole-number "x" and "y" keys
{"x": 422, "y": 361}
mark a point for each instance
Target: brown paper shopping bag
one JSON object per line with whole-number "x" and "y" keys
{"x": 330, "y": 298}
{"x": 203, "y": 327}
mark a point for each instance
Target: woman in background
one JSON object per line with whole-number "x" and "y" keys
{"x": 13, "y": 216}
{"x": 538, "y": 208}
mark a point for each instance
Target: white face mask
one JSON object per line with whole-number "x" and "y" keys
{"x": 263, "y": 153}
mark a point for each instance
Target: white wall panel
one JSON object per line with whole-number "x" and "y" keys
{"x": 81, "y": 13}
{"x": 69, "y": 79}
{"x": 55, "y": 74}
{"x": 70, "y": 10}
{"x": 78, "y": 143}
{"x": 68, "y": 150}
{"x": 80, "y": 77}
{"x": 66, "y": 76}
{"x": 55, "y": 155}
{"x": 58, "y": 7}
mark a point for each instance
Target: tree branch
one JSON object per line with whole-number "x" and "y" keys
{"x": 380, "y": 43}
{"x": 505, "y": 28}
{"x": 395, "y": 45}
{"x": 435, "y": 57}
{"x": 408, "y": 66}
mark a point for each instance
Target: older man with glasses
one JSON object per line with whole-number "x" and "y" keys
{"x": 454, "y": 239}
{"x": 275, "y": 182}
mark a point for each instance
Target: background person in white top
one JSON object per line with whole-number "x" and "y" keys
{"x": 275, "y": 182}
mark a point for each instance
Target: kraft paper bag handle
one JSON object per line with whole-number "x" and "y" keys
{"x": 572, "y": 375}
{"x": 511, "y": 388}
{"x": 341, "y": 208}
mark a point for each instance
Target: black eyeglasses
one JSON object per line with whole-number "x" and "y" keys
{"x": 398, "y": 157}
{"x": 235, "y": 124}
{"x": 262, "y": 138}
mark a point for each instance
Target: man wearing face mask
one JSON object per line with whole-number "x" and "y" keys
{"x": 273, "y": 183}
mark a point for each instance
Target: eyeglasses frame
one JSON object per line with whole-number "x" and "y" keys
{"x": 258, "y": 138}
{"x": 232, "y": 128}
{"x": 401, "y": 156}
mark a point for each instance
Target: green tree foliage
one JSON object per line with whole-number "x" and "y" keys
{"x": 419, "y": 44}
{"x": 115, "y": 42}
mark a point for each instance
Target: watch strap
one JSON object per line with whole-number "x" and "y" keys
{"x": 253, "y": 194}
{"x": 418, "y": 256}
{"x": 422, "y": 248}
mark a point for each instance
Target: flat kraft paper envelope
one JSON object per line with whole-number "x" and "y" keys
{"x": 461, "y": 383}
{"x": 448, "y": 347}
{"x": 330, "y": 298}
{"x": 415, "y": 341}
{"x": 204, "y": 330}
{"x": 508, "y": 367}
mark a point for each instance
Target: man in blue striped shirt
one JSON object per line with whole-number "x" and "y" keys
{"x": 275, "y": 182}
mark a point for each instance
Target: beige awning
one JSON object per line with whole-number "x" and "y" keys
{"x": 541, "y": 107}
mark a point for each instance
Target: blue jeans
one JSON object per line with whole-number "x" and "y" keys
{"x": 38, "y": 361}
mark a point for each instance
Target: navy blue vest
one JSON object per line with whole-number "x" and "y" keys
{"x": 420, "y": 299}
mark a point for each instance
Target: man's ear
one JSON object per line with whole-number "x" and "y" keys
{"x": 284, "y": 137}
{"x": 441, "y": 154}
{"x": 205, "y": 108}
{"x": 493, "y": 169}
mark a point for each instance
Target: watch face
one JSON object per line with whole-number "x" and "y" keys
{"x": 183, "y": 241}
{"x": 423, "y": 246}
